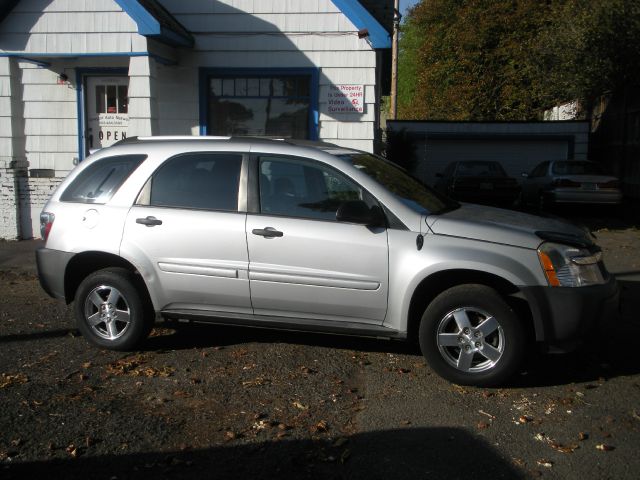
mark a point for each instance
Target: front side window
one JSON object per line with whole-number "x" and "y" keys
{"x": 207, "y": 181}
{"x": 299, "y": 188}
{"x": 99, "y": 181}
{"x": 540, "y": 170}
{"x": 260, "y": 105}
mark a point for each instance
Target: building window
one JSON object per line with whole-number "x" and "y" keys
{"x": 278, "y": 105}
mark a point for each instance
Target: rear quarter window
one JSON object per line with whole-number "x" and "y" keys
{"x": 101, "y": 180}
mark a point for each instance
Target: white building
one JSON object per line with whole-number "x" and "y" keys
{"x": 77, "y": 75}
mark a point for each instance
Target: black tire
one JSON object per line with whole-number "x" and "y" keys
{"x": 112, "y": 310}
{"x": 495, "y": 349}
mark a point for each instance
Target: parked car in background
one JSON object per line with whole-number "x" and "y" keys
{"x": 478, "y": 181}
{"x": 569, "y": 181}
{"x": 279, "y": 234}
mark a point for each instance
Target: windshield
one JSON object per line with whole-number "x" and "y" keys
{"x": 410, "y": 191}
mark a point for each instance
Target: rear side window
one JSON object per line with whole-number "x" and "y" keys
{"x": 207, "y": 181}
{"x": 98, "y": 182}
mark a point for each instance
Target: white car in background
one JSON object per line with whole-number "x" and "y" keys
{"x": 569, "y": 181}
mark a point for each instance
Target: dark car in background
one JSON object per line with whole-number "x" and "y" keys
{"x": 570, "y": 181}
{"x": 478, "y": 181}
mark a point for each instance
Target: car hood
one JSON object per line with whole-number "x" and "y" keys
{"x": 507, "y": 227}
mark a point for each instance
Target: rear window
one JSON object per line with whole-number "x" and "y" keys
{"x": 577, "y": 168}
{"x": 99, "y": 181}
{"x": 480, "y": 169}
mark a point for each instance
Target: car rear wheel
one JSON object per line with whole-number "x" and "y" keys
{"x": 110, "y": 310}
{"x": 470, "y": 336}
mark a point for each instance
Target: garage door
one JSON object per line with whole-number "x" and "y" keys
{"x": 516, "y": 156}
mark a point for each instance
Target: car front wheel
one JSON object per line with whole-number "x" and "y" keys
{"x": 110, "y": 311}
{"x": 471, "y": 336}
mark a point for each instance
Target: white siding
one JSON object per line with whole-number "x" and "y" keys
{"x": 270, "y": 34}
{"x": 50, "y": 114}
{"x": 68, "y": 26}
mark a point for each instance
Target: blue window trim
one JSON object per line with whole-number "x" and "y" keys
{"x": 81, "y": 75}
{"x": 206, "y": 73}
{"x": 362, "y": 19}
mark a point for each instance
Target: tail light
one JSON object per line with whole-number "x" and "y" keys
{"x": 566, "y": 183}
{"x": 610, "y": 184}
{"x": 46, "y": 222}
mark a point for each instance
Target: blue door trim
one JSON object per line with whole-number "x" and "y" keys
{"x": 81, "y": 75}
{"x": 314, "y": 73}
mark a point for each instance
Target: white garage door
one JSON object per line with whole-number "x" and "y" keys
{"x": 516, "y": 156}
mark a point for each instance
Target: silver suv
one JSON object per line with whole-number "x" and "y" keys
{"x": 311, "y": 236}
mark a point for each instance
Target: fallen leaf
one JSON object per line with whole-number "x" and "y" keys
{"x": 299, "y": 405}
{"x": 338, "y": 442}
{"x": 605, "y": 448}
{"x": 483, "y": 425}
{"x": 322, "y": 426}
{"x": 583, "y": 436}
{"x": 8, "y": 380}
{"x": 72, "y": 450}
{"x": 545, "y": 463}
{"x": 229, "y": 435}
{"x": 524, "y": 419}
{"x": 563, "y": 448}
{"x": 345, "y": 455}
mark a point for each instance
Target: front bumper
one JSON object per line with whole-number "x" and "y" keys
{"x": 51, "y": 267}
{"x": 563, "y": 316}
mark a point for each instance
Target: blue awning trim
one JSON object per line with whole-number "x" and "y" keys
{"x": 362, "y": 19}
{"x": 149, "y": 25}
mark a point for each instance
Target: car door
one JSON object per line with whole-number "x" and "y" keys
{"x": 187, "y": 237}
{"x": 302, "y": 262}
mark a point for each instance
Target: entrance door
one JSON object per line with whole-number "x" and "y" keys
{"x": 107, "y": 105}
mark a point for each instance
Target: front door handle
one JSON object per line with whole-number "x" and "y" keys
{"x": 149, "y": 221}
{"x": 267, "y": 232}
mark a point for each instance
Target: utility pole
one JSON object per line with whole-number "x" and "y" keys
{"x": 394, "y": 60}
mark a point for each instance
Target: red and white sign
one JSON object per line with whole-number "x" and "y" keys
{"x": 345, "y": 99}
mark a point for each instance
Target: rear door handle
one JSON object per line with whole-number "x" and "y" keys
{"x": 267, "y": 232}
{"x": 149, "y": 221}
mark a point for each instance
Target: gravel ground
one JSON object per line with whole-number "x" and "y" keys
{"x": 218, "y": 402}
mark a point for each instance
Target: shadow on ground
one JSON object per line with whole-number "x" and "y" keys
{"x": 434, "y": 453}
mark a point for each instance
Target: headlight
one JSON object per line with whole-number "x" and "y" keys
{"x": 567, "y": 266}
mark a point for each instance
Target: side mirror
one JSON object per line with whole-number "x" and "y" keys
{"x": 357, "y": 211}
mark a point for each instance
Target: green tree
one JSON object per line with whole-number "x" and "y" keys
{"x": 512, "y": 59}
